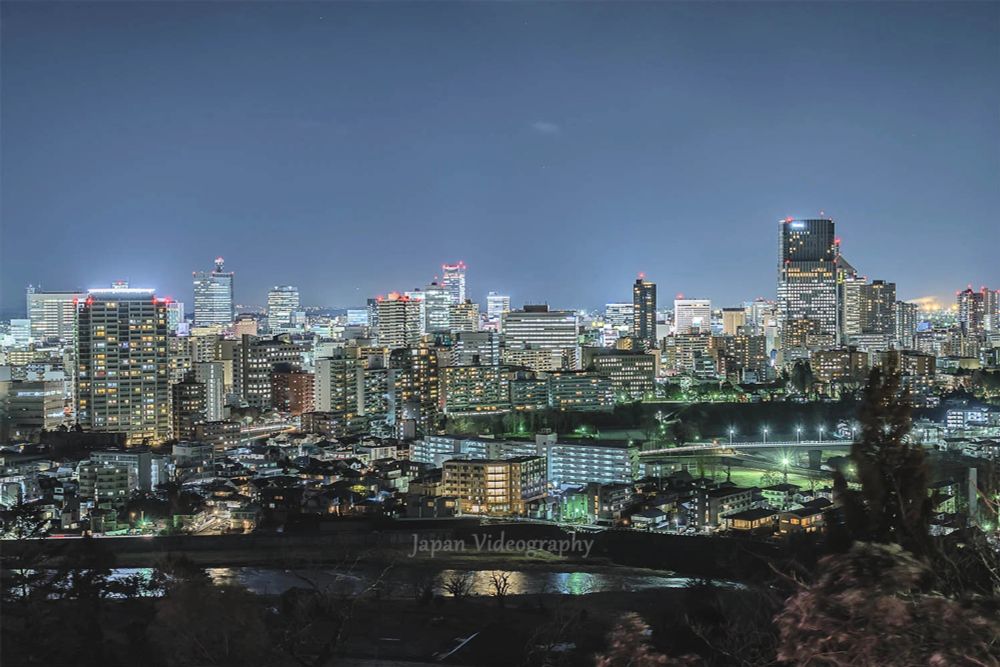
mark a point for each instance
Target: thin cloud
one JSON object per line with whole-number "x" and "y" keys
{"x": 545, "y": 127}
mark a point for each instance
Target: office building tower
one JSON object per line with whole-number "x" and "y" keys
{"x": 619, "y": 316}
{"x": 188, "y": 407}
{"x": 496, "y": 306}
{"x": 20, "y": 333}
{"x": 175, "y": 317}
{"x": 212, "y": 374}
{"x": 733, "y": 319}
{"x": 808, "y": 266}
{"x": 692, "y": 316}
{"x": 52, "y": 315}
{"x": 213, "y": 296}
{"x": 399, "y": 320}
{"x": 437, "y": 308}
{"x": 536, "y": 327}
{"x": 644, "y": 312}
{"x": 453, "y": 280}
{"x": 122, "y": 364}
{"x": 282, "y": 301}
{"x": 632, "y": 373}
{"x": 357, "y": 317}
{"x": 464, "y": 317}
{"x": 480, "y": 348}
{"x": 29, "y": 406}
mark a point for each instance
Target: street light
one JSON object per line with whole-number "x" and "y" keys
{"x": 731, "y": 431}
{"x": 821, "y": 430}
{"x": 784, "y": 462}
{"x": 765, "y": 435}
{"x": 798, "y": 434}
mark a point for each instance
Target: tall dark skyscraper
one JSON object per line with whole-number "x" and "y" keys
{"x": 644, "y": 312}
{"x": 807, "y": 275}
{"x": 213, "y": 295}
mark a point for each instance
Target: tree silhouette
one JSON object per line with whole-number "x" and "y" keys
{"x": 893, "y": 504}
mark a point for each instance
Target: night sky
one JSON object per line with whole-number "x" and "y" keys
{"x": 558, "y": 149}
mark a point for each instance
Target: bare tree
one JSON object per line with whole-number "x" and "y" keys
{"x": 459, "y": 584}
{"x": 499, "y": 585}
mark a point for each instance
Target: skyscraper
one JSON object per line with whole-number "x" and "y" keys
{"x": 121, "y": 351}
{"x": 906, "y": 324}
{"x": 282, "y": 301}
{"x": 213, "y": 296}
{"x": 496, "y": 306}
{"x": 399, "y": 322}
{"x": 978, "y": 310}
{"x": 538, "y": 328}
{"x": 644, "y": 312}
{"x": 437, "y": 308}
{"x": 453, "y": 280}
{"x": 808, "y": 262}
{"x": 52, "y": 314}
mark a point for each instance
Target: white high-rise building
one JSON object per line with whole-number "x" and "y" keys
{"x": 437, "y": 308}
{"x": 212, "y": 374}
{"x": 213, "y": 296}
{"x": 496, "y": 306}
{"x": 453, "y": 280}
{"x": 399, "y": 320}
{"x": 282, "y": 301}
{"x": 692, "y": 316}
{"x": 538, "y": 328}
{"x": 52, "y": 314}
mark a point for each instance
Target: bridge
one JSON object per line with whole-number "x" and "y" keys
{"x": 718, "y": 448}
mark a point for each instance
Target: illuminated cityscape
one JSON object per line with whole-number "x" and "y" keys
{"x": 416, "y": 417}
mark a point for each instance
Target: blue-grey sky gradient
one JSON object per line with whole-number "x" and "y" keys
{"x": 558, "y": 148}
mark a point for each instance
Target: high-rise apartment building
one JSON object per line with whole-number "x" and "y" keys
{"x": 253, "y": 364}
{"x": 644, "y": 312}
{"x": 212, "y": 374}
{"x": 978, "y": 310}
{"x": 464, "y": 317}
{"x": 906, "y": 324}
{"x": 121, "y": 355}
{"x": 282, "y": 302}
{"x": 399, "y": 320}
{"x": 188, "y": 408}
{"x": 213, "y": 296}
{"x": 453, "y": 280}
{"x": 52, "y": 315}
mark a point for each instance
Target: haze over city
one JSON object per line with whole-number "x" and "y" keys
{"x": 557, "y": 149}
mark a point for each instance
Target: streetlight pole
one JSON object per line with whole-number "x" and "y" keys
{"x": 731, "y": 436}
{"x": 765, "y": 435}
{"x": 821, "y": 429}
{"x": 798, "y": 434}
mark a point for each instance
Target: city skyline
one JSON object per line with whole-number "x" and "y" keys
{"x": 318, "y": 170}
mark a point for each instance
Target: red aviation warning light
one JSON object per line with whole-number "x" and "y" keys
{"x": 642, "y": 275}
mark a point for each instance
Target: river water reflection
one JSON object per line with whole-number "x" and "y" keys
{"x": 403, "y": 581}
